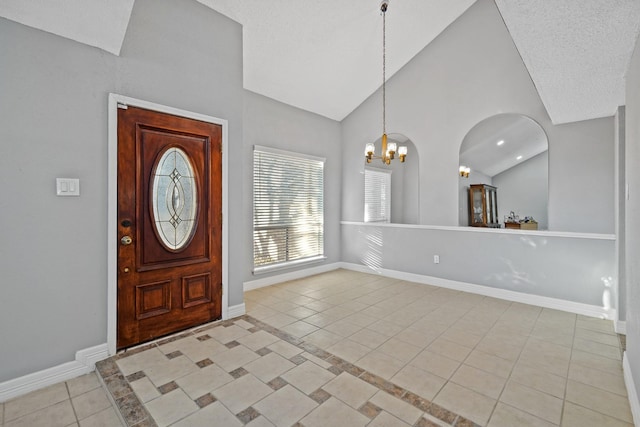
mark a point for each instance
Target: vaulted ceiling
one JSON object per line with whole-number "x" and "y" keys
{"x": 326, "y": 57}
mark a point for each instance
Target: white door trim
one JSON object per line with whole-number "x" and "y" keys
{"x": 112, "y": 214}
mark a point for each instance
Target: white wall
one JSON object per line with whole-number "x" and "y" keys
{"x": 524, "y": 189}
{"x": 568, "y": 268}
{"x": 273, "y": 124}
{"x": 53, "y": 123}
{"x": 582, "y": 176}
{"x": 405, "y": 192}
{"x": 632, "y": 214}
{"x": 470, "y": 72}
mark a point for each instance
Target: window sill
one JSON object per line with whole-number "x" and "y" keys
{"x": 285, "y": 265}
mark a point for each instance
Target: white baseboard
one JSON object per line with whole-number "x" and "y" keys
{"x": 632, "y": 391}
{"x": 547, "y": 302}
{"x": 299, "y": 274}
{"x": 84, "y": 363}
{"x": 236, "y": 311}
{"x": 620, "y": 326}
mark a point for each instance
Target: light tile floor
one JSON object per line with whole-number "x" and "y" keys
{"x": 348, "y": 349}
{"x": 79, "y": 402}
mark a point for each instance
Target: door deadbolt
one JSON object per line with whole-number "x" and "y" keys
{"x": 126, "y": 240}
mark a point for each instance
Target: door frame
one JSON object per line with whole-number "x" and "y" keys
{"x": 112, "y": 214}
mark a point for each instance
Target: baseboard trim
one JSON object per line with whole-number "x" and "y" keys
{"x": 632, "y": 391}
{"x": 293, "y": 275}
{"x": 620, "y": 326}
{"x": 547, "y": 302}
{"x": 236, "y": 311}
{"x": 84, "y": 363}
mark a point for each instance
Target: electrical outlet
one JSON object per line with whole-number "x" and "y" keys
{"x": 436, "y": 259}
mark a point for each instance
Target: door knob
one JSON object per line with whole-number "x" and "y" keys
{"x": 126, "y": 240}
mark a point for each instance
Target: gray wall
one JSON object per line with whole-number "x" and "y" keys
{"x": 405, "y": 192}
{"x": 405, "y": 182}
{"x": 632, "y": 229}
{"x": 53, "y": 123}
{"x": 273, "y": 124}
{"x": 564, "y": 268}
{"x": 470, "y": 72}
{"x": 524, "y": 189}
{"x": 581, "y": 176}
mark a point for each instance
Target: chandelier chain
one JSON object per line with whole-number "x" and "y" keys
{"x": 389, "y": 148}
{"x": 384, "y": 69}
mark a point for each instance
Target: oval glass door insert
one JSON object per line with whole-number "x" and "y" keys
{"x": 174, "y": 199}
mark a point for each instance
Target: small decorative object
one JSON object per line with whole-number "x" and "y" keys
{"x": 513, "y": 221}
{"x": 512, "y": 218}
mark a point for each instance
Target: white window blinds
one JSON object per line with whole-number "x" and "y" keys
{"x": 288, "y": 210}
{"x": 377, "y": 195}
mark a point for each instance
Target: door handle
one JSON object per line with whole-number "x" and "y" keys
{"x": 126, "y": 240}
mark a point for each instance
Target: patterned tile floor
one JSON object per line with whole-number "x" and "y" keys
{"x": 244, "y": 371}
{"x": 348, "y": 349}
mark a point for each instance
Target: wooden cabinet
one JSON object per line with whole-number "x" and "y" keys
{"x": 483, "y": 206}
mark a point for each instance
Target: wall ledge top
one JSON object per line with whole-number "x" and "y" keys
{"x": 542, "y": 233}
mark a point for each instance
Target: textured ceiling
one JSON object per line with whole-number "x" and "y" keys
{"x": 326, "y": 57}
{"x": 577, "y": 52}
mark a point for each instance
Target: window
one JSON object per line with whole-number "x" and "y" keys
{"x": 288, "y": 210}
{"x": 377, "y": 195}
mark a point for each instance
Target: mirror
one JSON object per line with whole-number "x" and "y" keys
{"x": 510, "y": 152}
{"x": 398, "y": 180}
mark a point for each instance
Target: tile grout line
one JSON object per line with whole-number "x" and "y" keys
{"x": 566, "y": 382}
{"x": 47, "y": 406}
{"x": 73, "y": 408}
{"x": 110, "y": 369}
{"x": 352, "y": 369}
{"x": 596, "y": 369}
{"x": 465, "y": 359}
{"x": 512, "y": 369}
{"x": 497, "y": 399}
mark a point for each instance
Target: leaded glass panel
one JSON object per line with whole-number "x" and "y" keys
{"x": 174, "y": 199}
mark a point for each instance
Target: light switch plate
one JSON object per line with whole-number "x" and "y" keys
{"x": 67, "y": 186}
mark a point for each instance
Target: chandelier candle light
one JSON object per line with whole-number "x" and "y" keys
{"x": 389, "y": 149}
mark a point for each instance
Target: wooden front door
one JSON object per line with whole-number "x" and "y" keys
{"x": 169, "y": 224}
